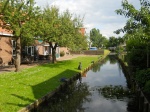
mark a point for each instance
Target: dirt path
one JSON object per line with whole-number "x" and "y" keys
{"x": 12, "y": 68}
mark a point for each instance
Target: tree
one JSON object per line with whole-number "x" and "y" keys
{"x": 113, "y": 41}
{"x": 17, "y": 16}
{"x": 70, "y": 27}
{"x": 62, "y": 29}
{"x": 49, "y": 25}
{"x": 96, "y": 38}
{"x": 138, "y": 24}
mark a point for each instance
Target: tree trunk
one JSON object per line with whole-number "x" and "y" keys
{"x": 53, "y": 52}
{"x": 53, "y": 55}
{"x": 18, "y": 54}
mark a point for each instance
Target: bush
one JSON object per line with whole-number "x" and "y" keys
{"x": 62, "y": 53}
{"x": 142, "y": 76}
{"x": 147, "y": 87}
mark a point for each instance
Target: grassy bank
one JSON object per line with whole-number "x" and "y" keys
{"x": 17, "y": 90}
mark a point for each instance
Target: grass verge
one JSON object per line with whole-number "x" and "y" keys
{"x": 17, "y": 90}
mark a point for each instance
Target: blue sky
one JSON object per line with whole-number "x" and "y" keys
{"x": 99, "y": 14}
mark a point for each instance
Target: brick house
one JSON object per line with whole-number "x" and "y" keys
{"x": 6, "y": 47}
{"x": 43, "y": 49}
{"x": 82, "y": 31}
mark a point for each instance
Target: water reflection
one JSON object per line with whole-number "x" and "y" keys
{"x": 97, "y": 67}
{"x": 112, "y": 59}
{"x": 71, "y": 99}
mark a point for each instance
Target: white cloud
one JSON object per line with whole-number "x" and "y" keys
{"x": 98, "y": 14}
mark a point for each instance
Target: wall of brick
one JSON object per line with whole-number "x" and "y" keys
{"x": 5, "y": 49}
{"x": 65, "y": 49}
{"x": 82, "y": 31}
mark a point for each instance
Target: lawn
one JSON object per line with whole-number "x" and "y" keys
{"x": 18, "y": 90}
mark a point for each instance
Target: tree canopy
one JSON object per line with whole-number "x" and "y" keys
{"x": 137, "y": 32}
{"x": 138, "y": 24}
{"x": 97, "y": 39}
{"x": 18, "y": 17}
{"x": 28, "y": 22}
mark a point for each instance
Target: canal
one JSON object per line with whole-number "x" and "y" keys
{"x": 102, "y": 89}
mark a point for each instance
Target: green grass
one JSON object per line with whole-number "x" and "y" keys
{"x": 17, "y": 90}
{"x": 106, "y": 52}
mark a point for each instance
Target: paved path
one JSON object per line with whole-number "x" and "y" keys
{"x": 12, "y": 68}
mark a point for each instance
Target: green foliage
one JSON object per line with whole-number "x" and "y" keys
{"x": 142, "y": 76}
{"x": 147, "y": 87}
{"x": 137, "y": 32}
{"x": 19, "y": 17}
{"x": 97, "y": 39}
{"x": 120, "y": 49}
{"x": 113, "y": 42}
{"x": 137, "y": 18}
{"x": 137, "y": 53}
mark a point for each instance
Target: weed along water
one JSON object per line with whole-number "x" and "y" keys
{"x": 102, "y": 89}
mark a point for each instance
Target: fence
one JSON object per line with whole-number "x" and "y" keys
{"x": 88, "y": 52}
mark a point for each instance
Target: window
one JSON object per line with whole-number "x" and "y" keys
{"x": 13, "y": 47}
{"x": 29, "y": 50}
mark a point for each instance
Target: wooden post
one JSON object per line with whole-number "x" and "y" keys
{"x": 138, "y": 94}
{"x": 146, "y": 107}
{"x": 141, "y": 104}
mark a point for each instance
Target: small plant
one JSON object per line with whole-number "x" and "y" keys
{"x": 62, "y": 53}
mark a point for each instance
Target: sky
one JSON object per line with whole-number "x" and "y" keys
{"x": 99, "y": 14}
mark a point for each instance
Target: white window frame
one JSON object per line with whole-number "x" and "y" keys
{"x": 13, "y": 47}
{"x": 29, "y": 52}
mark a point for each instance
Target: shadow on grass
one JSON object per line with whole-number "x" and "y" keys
{"x": 22, "y": 98}
{"x": 45, "y": 87}
{"x": 51, "y": 84}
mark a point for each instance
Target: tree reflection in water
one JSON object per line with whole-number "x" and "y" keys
{"x": 68, "y": 100}
{"x": 112, "y": 59}
{"x": 98, "y": 65}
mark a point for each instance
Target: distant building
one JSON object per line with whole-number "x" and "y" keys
{"x": 82, "y": 31}
{"x": 112, "y": 48}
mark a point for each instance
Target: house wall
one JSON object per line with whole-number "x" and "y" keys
{"x": 82, "y": 31}
{"x": 5, "y": 49}
{"x": 40, "y": 50}
{"x": 65, "y": 49}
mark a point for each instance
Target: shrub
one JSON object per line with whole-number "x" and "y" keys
{"x": 142, "y": 76}
{"x": 147, "y": 87}
{"x": 62, "y": 53}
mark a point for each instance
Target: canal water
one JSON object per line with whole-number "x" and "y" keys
{"x": 101, "y": 89}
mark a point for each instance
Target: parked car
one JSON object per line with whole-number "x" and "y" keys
{"x": 93, "y": 48}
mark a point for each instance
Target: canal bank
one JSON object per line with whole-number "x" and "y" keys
{"x": 35, "y": 104}
{"x": 102, "y": 77}
{"x": 142, "y": 104}
{"x": 20, "y": 89}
